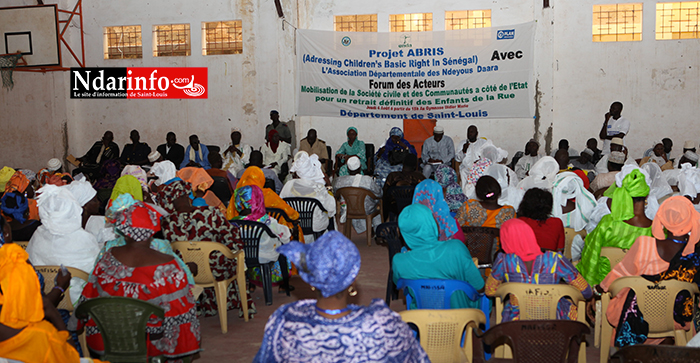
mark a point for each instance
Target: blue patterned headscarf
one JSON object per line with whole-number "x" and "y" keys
{"x": 329, "y": 264}
{"x": 429, "y": 193}
{"x": 396, "y": 131}
{"x": 20, "y": 206}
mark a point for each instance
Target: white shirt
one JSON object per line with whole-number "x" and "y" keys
{"x": 309, "y": 189}
{"x": 621, "y": 125}
{"x": 472, "y": 153}
{"x": 522, "y": 167}
{"x": 235, "y": 163}
{"x": 268, "y": 245}
{"x": 280, "y": 157}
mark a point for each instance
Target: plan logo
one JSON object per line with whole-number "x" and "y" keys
{"x": 405, "y": 43}
{"x": 505, "y": 34}
{"x": 139, "y": 82}
{"x": 345, "y": 41}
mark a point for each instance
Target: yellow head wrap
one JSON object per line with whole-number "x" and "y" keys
{"x": 21, "y": 297}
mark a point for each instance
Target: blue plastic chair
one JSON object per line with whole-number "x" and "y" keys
{"x": 436, "y": 294}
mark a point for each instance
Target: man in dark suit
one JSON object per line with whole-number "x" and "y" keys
{"x": 171, "y": 150}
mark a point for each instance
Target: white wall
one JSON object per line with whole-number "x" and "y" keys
{"x": 656, "y": 80}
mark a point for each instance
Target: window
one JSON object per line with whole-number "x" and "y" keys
{"x": 222, "y": 37}
{"x": 171, "y": 40}
{"x": 617, "y": 22}
{"x": 677, "y": 20}
{"x": 419, "y": 22}
{"x": 468, "y": 19}
{"x": 122, "y": 42}
{"x": 356, "y": 23}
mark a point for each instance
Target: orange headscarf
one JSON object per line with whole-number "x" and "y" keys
{"x": 197, "y": 177}
{"x": 21, "y": 297}
{"x": 678, "y": 216}
{"x": 18, "y": 182}
{"x": 255, "y": 176}
{"x": 517, "y": 237}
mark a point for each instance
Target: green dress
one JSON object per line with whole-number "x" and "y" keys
{"x": 608, "y": 233}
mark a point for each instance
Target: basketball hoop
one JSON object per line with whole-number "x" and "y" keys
{"x": 8, "y": 62}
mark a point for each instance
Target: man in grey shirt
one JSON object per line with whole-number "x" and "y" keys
{"x": 354, "y": 179}
{"x": 437, "y": 150}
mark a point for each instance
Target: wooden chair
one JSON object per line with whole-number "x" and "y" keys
{"x": 389, "y": 233}
{"x": 542, "y": 341}
{"x": 22, "y": 244}
{"x": 49, "y": 272}
{"x": 570, "y": 233}
{"x": 655, "y": 301}
{"x": 197, "y": 252}
{"x": 482, "y": 243}
{"x": 355, "y": 202}
{"x": 441, "y": 332}
{"x": 539, "y": 302}
{"x": 614, "y": 255}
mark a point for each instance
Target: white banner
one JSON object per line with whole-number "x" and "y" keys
{"x": 473, "y": 73}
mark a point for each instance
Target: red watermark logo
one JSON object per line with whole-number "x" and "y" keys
{"x": 139, "y": 82}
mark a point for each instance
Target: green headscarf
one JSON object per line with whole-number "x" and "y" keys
{"x": 127, "y": 184}
{"x": 634, "y": 185}
{"x": 418, "y": 227}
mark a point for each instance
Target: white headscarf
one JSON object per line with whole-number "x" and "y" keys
{"x": 164, "y": 170}
{"x": 659, "y": 185}
{"x": 82, "y": 191}
{"x": 542, "y": 174}
{"x": 510, "y": 194}
{"x": 568, "y": 185}
{"x": 689, "y": 180}
{"x": 59, "y": 211}
{"x": 493, "y": 153}
{"x": 307, "y": 167}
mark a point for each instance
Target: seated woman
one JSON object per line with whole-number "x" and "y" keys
{"x": 309, "y": 182}
{"x": 254, "y": 176}
{"x": 352, "y": 147}
{"x": 389, "y": 158}
{"x": 249, "y": 203}
{"x": 535, "y": 210}
{"x": 668, "y": 254}
{"x": 300, "y": 330}
{"x": 188, "y": 223}
{"x": 135, "y": 270}
{"x": 31, "y": 329}
{"x": 574, "y": 204}
{"x": 429, "y": 193}
{"x": 276, "y": 153}
{"x": 430, "y": 258}
{"x": 485, "y": 211}
{"x": 619, "y": 229}
{"x": 508, "y": 180}
{"x": 525, "y": 262}
{"x": 454, "y": 196}
{"x": 200, "y": 181}
{"x": 15, "y": 210}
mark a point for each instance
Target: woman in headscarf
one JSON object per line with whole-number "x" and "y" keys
{"x": 620, "y": 228}
{"x": 541, "y": 175}
{"x": 669, "y": 253}
{"x": 127, "y": 184}
{"x": 30, "y": 330}
{"x": 134, "y": 269}
{"x": 164, "y": 171}
{"x": 22, "y": 184}
{"x": 275, "y": 152}
{"x": 489, "y": 155}
{"x": 249, "y": 203}
{"x": 508, "y": 180}
{"x": 189, "y": 223}
{"x": 352, "y": 147}
{"x": 138, "y": 173}
{"x": 429, "y": 193}
{"x": 658, "y": 156}
{"x": 389, "y": 158}
{"x": 329, "y": 324}
{"x": 447, "y": 178}
{"x": 309, "y": 182}
{"x": 16, "y": 211}
{"x": 536, "y": 211}
{"x": 110, "y": 171}
{"x": 61, "y": 240}
{"x": 485, "y": 210}
{"x": 200, "y": 181}
{"x": 254, "y": 176}
{"x": 430, "y": 258}
{"x": 524, "y": 262}
{"x": 573, "y": 204}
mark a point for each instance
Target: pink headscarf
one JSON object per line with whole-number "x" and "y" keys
{"x": 678, "y": 216}
{"x": 517, "y": 237}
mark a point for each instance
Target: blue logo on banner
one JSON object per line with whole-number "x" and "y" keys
{"x": 345, "y": 41}
{"x": 505, "y": 34}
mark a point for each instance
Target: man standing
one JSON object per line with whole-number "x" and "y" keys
{"x": 196, "y": 154}
{"x": 100, "y": 152}
{"x": 437, "y": 150}
{"x": 467, "y": 152}
{"x": 137, "y": 152}
{"x": 171, "y": 150}
{"x": 354, "y": 179}
{"x": 236, "y": 156}
{"x": 282, "y": 128}
{"x": 522, "y": 168}
{"x": 313, "y": 145}
{"x": 614, "y": 126}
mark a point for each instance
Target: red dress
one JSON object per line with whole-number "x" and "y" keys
{"x": 164, "y": 285}
{"x": 549, "y": 233}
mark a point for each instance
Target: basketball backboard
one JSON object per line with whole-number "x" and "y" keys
{"x": 32, "y": 30}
